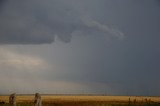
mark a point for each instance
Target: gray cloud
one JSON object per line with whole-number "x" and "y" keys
{"x": 38, "y": 22}
{"x": 96, "y": 63}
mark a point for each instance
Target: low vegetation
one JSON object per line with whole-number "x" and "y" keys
{"x": 85, "y": 101}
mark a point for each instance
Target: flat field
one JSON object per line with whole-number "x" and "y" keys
{"x": 60, "y": 100}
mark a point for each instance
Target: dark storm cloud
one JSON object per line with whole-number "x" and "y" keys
{"x": 129, "y": 66}
{"x": 1, "y": 3}
{"x": 38, "y": 22}
{"x": 132, "y": 63}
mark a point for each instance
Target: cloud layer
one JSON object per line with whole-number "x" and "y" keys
{"x": 113, "y": 46}
{"x": 38, "y": 22}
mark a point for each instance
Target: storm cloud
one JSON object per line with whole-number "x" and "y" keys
{"x": 80, "y": 46}
{"x": 39, "y": 22}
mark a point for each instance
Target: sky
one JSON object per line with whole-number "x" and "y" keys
{"x": 106, "y": 47}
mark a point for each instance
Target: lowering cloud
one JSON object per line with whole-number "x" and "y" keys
{"x": 97, "y": 62}
{"x": 39, "y": 22}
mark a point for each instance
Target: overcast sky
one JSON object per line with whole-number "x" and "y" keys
{"x": 80, "y": 46}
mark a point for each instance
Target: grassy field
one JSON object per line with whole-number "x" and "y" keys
{"x": 85, "y": 101}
